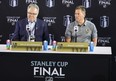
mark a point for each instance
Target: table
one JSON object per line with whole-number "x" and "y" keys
{"x": 55, "y": 66}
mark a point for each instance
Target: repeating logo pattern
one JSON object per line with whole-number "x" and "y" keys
{"x": 13, "y": 3}
{"x": 105, "y": 3}
{"x": 50, "y": 3}
{"x": 12, "y": 19}
{"x": 59, "y": 9}
{"x": 104, "y": 21}
{"x": 31, "y": 1}
{"x": 103, "y": 41}
{"x": 50, "y": 20}
{"x": 67, "y": 20}
{"x": 86, "y": 3}
{"x": 68, "y": 3}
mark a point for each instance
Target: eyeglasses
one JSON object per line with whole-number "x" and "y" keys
{"x": 32, "y": 13}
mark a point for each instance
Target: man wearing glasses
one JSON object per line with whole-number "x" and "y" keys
{"x": 31, "y": 28}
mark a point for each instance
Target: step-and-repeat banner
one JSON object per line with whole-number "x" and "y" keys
{"x": 58, "y": 14}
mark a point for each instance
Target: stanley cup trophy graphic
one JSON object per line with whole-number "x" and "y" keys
{"x": 86, "y": 3}
{"x": 13, "y": 3}
{"x": 50, "y": 3}
{"x": 104, "y": 21}
{"x": 67, "y": 20}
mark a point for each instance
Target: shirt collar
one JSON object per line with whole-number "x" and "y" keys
{"x": 32, "y": 22}
{"x": 85, "y": 23}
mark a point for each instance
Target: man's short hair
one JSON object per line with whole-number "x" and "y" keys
{"x": 81, "y": 7}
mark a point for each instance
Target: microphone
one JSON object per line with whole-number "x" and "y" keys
{"x": 75, "y": 31}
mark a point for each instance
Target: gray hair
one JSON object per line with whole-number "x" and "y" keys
{"x": 33, "y": 6}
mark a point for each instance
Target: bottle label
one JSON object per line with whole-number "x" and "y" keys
{"x": 45, "y": 45}
{"x": 91, "y": 47}
{"x": 8, "y": 44}
{"x": 54, "y": 46}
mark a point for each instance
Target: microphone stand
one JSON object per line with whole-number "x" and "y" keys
{"x": 28, "y": 32}
{"x": 75, "y": 38}
{"x": 29, "y": 35}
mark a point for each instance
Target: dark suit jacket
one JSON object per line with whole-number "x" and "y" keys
{"x": 20, "y": 33}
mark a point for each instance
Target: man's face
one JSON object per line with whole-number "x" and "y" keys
{"x": 79, "y": 15}
{"x": 32, "y": 14}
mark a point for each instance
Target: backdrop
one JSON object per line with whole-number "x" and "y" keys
{"x": 58, "y": 14}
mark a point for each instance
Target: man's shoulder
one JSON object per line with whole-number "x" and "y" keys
{"x": 40, "y": 20}
{"x": 22, "y": 20}
{"x": 89, "y": 22}
{"x": 72, "y": 23}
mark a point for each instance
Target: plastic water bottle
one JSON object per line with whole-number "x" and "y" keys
{"x": 91, "y": 47}
{"x": 45, "y": 45}
{"x": 8, "y": 44}
{"x": 54, "y": 46}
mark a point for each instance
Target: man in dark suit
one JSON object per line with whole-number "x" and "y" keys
{"x": 31, "y": 28}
